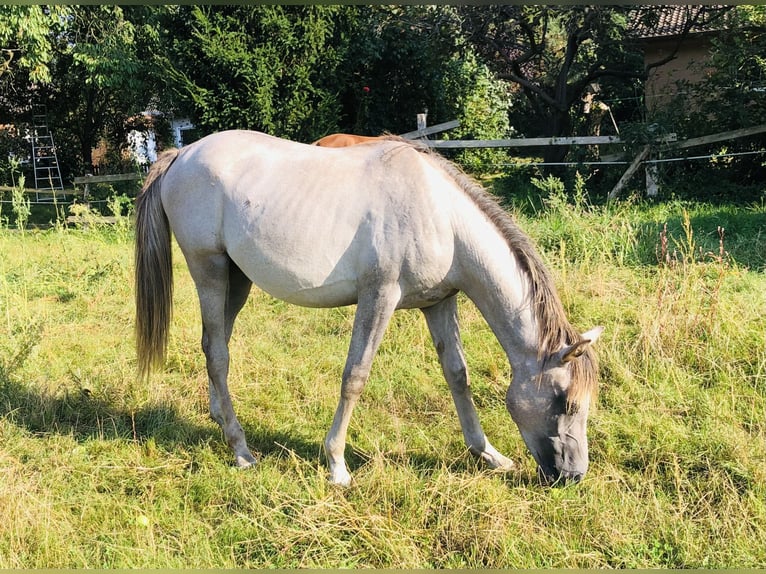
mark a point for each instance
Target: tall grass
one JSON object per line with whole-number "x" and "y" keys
{"x": 97, "y": 470}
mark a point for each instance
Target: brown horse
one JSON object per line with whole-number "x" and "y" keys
{"x": 345, "y": 140}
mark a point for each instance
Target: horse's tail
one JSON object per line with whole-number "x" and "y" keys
{"x": 154, "y": 271}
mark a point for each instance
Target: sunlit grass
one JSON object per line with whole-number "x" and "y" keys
{"x": 97, "y": 470}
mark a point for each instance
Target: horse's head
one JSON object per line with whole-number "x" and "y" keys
{"x": 550, "y": 406}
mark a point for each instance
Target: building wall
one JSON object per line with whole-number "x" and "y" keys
{"x": 143, "y": 145}
{"x": 690, "y": 65}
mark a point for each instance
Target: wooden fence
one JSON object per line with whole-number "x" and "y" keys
{"x": 87, "y": 180}
{"x": 667, "y": 143}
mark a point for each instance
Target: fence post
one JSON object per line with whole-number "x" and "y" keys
{"x": 629, "y": 172}
{"x": 86, "y": 189}
{"x": 422, "y": 119}
{"x": 652, "y": 180}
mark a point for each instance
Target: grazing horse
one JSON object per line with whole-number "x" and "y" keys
{"x": 384, "y": 226}
{"x": 345, "y": 140}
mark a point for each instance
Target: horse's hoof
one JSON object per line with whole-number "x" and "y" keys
{"x": 498, "y": 462}
{"x": 246, "y": 460}
{"x": 341, "y": 479}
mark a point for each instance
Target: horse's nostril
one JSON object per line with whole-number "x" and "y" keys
{"x": 574, "y": 477}
{"x": 548, "y": 478}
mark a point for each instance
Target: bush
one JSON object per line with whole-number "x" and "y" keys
{"x": 483, "y": 104}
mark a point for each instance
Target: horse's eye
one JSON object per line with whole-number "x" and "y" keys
{"x": 560, "y": 403}
{"x": 572, "y": 407}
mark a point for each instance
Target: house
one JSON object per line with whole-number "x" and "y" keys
{"x": 142, "y": 144}
{"x": 676, "y": 42}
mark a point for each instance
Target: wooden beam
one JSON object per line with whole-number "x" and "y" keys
{"x": 30, "y": 190}
{"x": 108, "y": 178}
{"x": 629, "y": 172}
{"x": 86, "y": 180}
{"x": 701, "y": 140}
{"x": 432, "y": 130}
{"x": 723, "y": 136}
{"x": 525, "y": 142}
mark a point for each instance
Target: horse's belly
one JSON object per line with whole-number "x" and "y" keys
{"x": 314, "y": 278}
{"x": 322, "y": 251}
{"x": 337, "y": 294}
{"x": 296, "y": 271}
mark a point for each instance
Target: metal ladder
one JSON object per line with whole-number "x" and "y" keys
{"x": 45, "y": 162}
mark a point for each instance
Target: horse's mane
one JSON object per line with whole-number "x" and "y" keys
{"x": 554, "y": 329}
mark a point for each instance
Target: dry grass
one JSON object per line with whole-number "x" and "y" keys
{"x": 98, "y": 471}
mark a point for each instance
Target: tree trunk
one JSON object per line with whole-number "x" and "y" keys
{"x": 559, "y": 127}
{"x": 87, "y": 135}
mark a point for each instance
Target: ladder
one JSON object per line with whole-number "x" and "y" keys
{"x": 45, "y": 162}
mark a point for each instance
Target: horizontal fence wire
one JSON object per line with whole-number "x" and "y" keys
{"x": 710, "y": 156}
{"x": 54, "y": 203}
{"x": 664, "y": 160}
{"x": 503, "y": 164}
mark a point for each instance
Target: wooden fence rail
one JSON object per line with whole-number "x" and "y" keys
{"x": 670, "y": 142}
{"x": 87, "y": 180}
{"x": 525, "y": 142}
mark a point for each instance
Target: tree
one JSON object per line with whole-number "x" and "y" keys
{"x": 735, "y": 92}
{"x": 413, "y": 59}
{"x": 403, "y": 63}
{"x": 268, "y": 68}
{"x": 304, "y": 71}
{"x": 553, "y": 54}
{"x": 100, "y": 80}
{"x": 25, "y": 40}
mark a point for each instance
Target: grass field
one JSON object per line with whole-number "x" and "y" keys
{"x": 97, "y": 470}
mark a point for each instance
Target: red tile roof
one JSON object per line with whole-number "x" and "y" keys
{"x": 660, "y": 21}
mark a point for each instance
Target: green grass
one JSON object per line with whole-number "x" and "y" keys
{"x": 97, "y": 470}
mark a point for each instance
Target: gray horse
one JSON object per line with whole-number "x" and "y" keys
{"x": 384, "y": 225}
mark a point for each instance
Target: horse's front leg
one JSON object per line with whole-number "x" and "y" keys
{"x": 442, "y": 321}
{"x": 373, "y": 313}
{"x": 211, "y": 277}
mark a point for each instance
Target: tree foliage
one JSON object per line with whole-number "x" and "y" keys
{"x": 403, "y": 60}
{"x": 25, "y": 39}
{"x": 267, "y": 68}
{"x": 552, "y": 54}
{"x": 97, "y": 83}
{"x": 100, "y": 81}
{"x": 735, "y": 91}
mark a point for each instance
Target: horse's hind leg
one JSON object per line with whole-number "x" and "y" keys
{"x": 236, "y": 297}
{"x": 219, "y": 305}
{"x": 443, "y": 323}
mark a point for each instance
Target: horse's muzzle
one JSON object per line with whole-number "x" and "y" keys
{"x": 554, "y": 478}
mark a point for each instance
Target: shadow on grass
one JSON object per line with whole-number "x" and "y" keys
{"x": 87, "y": 417}
{"x": 84, "y": 416}
{"x": 743, "y": 235}
{"x": 738, "y": 231}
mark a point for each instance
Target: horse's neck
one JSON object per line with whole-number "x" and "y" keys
{"x": 497, "y": 285}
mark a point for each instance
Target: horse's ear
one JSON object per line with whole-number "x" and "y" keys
{"x": 571, "y": 352}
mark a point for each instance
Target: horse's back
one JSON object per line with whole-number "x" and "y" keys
{"x": 308, "y": 224}
{"x": 344, "y": 140}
